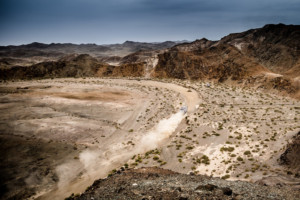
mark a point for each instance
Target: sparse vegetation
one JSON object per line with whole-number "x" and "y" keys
{"x": 229, "y": 149}
{"x": 237, "y": 136}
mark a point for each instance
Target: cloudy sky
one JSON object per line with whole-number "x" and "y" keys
{"x": 115, "y": 21}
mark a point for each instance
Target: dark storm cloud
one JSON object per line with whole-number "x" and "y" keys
{"x": 109, "y": 21}
{"x": 177, "y": 7}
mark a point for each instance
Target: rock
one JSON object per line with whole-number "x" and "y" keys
{"x": 183, "y": 197}
{"x": 120, "y": 189}
{"x": 136, "y": 192}
{"x": 227, "y": 191}
{"x": 208, "y": 187}
{"x": 181, "y": 186}
{"x": 238, "y": 197}
{"x": 192, "y": 173}
{"x": 291, "y": 156}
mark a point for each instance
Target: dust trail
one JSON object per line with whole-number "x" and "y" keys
{"x": 94, "y": 164}
{"x": 161, "y": 131}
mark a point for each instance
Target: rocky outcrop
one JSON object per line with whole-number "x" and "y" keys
{"x": 156, "y": 183}
{"x": 124, "y": 70}
{"x": 72, "y": 66}
{"x": 276, "y": 47}
{"x": 272, "y": 47}
{"x": 196, "y": 45}
{"x": 218, "y": 62}
{"x": 267, "y": 57}
{"x": 291, "y": 156}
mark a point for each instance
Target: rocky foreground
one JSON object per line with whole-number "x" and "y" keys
{"x": 157, "y": 183}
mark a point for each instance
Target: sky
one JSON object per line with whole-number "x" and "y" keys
{"x": 115, "y": 21}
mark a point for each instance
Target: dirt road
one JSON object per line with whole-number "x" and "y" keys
{"x": 60, "y": 135}
{"x": 98, "y": 162}
{"x": 107, "y": 121}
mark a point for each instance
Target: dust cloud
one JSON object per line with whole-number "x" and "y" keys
{"x": 94, "y": 164}
{"x": 161, "y": 131}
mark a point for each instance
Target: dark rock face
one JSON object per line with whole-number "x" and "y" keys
{"x": 291, "y": 156}
{"x": 156, "y": 183}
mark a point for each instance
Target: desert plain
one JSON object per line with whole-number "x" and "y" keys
{"x": 60, "y": 135}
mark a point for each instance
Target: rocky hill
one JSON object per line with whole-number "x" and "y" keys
{"x": 70, "y": 66}
{"x": 156, "y": 183}
{"x": 276, "y": 47}
{"x": 82, "y": 65}
{"x": 219, "y": 62}
{"x": 267, "y": 58}
{"x": 33, "y": 53}
{"x": 40, "y": 49}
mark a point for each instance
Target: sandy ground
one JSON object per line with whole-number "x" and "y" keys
{"x": 101, "y": 122}
{"x": 60, "y": 135}
{"x": 236, "y": 134}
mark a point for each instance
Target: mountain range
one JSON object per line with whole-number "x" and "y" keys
{"x": 267, "y": 58}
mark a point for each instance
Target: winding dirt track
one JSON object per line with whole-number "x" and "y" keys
{"x": 191, "y": 96}
{"x": 115, "y": 156}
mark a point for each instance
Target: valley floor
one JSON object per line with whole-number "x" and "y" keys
{"x": 58, "y": 136}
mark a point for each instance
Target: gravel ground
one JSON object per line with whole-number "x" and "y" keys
{"x": 157, "y": 183}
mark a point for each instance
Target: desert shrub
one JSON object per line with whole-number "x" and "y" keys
{"x": 139, "y": 159}
{"x": 163, "y": 163}
{"x": 189, "y": 147}
{"x": 155, "y": 158}
{"x": 204, "y": 159}
{"x": 230, "y": 149}
{"x": 226, "y": 176}
{"x": 240, "y": 159}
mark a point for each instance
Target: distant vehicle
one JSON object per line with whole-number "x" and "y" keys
{"x": 184, "y": 109}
